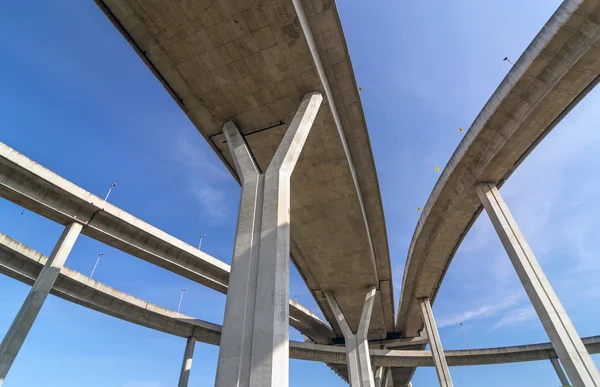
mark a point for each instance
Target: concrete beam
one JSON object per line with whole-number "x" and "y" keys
{"x": 357, "y": 347}
{"x": 24, "y": 264}
{"x": 441, "y": 367}
{"x": 255, "y": 345}
{"x": 186, "y": 365}
{"x": 40, "y": 190}
{"x": 579, "y": 365}
{"x": 18, "y": 331}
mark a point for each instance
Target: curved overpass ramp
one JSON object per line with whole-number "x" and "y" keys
{"x": 251, "y": 61}
{"x": 24, "y": 264}
{"x": 555, "y": 72}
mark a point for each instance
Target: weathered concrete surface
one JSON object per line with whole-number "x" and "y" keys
{"x": 254, "y": 345}
{"x": 250, "y": 62}
{"x": 558, "y": 68}
{"x": 24, "y": 264}
{"x": 558, "y": 326}
{"x": 19, "y": 329}
{"x": 40, "y": 190}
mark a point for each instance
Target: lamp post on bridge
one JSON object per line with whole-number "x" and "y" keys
{"x": 200, "y": 243}
{"x": 462, "y": 328}
{"x": 97, "y": 260}
{"x": 113, "y": 185}
{"x": 180, "y": 300}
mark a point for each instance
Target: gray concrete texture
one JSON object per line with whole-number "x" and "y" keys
{"x": 358, "y": 366}
{"x": 560, "y": 373}
{"x": 24, "y": 264}
{"x": 570, "y": 349}
{"x": 250, "y": 62}
{"x": 186, "y": 364}
{"x": 255, "y": 349}
{"x": 21, "y": 325}
{"x": 435, "y": 343}
{"x": 40, "y": 190}
{"x": 558, "y": 68}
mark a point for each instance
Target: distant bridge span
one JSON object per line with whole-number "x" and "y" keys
{"x": 24, "y": 264}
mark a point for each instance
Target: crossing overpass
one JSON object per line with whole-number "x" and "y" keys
{"x": 24, "y": 264}
{"x": 248, "y": 74}
{"x": 251, "y": 62}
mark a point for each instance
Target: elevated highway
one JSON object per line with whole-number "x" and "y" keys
{"x": 40, "y": 190}
{"x": 251, "y": 62}
{"x": 558, "y": 69}
{"x": 24, "y": 264}
{"x": 555, "y": 72}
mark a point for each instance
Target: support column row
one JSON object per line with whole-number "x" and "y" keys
{"x": 254, "y": 348}
{"x": 566, "y": 342}
{"x": 358, "y": 359}
{"x": 18, "y": 331}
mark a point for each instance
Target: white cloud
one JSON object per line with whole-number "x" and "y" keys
{"x": 204, "y": 178}
{"x": 487, "y": 310}
{"x": 516, "y": 316}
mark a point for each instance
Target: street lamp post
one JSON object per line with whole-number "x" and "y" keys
{"x": 200, "y": 243}
{"x": 462, "y": 328}
{"x": 113, "y": 185}
{"x": 96, "y": 265}
{"x": 180, "y": 300}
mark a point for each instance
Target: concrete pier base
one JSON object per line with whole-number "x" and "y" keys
{"x": 568, "y": 345}
{"x": 18, "y": 331}
{"x": 186, "y": 364}
{"x": 360, "y": 371}
{"x": 254, "y": 345}
{"x": 439, "y": 359}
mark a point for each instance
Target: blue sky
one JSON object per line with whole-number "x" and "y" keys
{"x": 76, "y": 98}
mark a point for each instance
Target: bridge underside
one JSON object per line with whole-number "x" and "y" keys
{"x": 250, "y": 62}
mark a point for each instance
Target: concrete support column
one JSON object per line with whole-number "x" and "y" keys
{"x": 186, "y": 365}
{"x": 559, "y": 372}
{"x": 381, "y": 376}
{"x": 18, "y": 331}
{"x": 568, "y": 345}
{"x": 358, "y": 359}
{"x": 439, "y": 360}
{"x": 254, "y": 347}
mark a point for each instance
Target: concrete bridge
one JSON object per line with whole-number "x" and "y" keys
{"x": 270, "y": 86}
{"x": 24, "y": 264}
